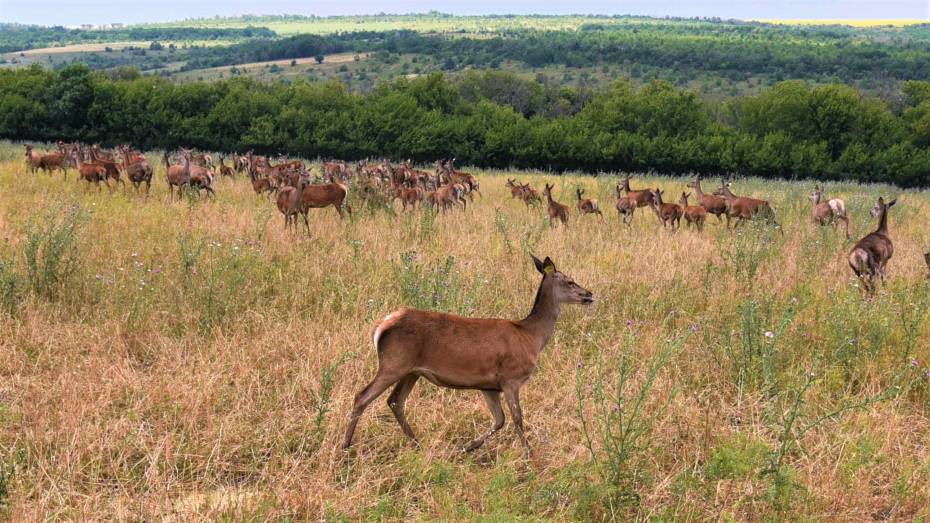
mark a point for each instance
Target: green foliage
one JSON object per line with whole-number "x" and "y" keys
{"x": 10, "y": 286}
{"x": 51, "y": 250}
{"x": 436, "y": 288}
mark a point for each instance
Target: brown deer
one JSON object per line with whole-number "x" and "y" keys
{"x": 641, "y": 198}
{"x": 33, "y": 158}
{"x": 870, "y": 255}
{"x": 555, "y": 210}
{"x": 137, "y": 170}
{"x": 492, "y": 356}
{"x": 287, "y": 202}
{"x": 187, "y": 175}
{"x": 695, "y": 215}
{"x": 226, "y": 170}
{"x": 409, "y": 196}
{"x": 261, "y": 182}
{"x": 54, "y": 162}
{"x": 587, "y": 205}
{"x": 624, "y": 206}
{"x": 668, "y": 213}
{"x": 516, "y": 191}
{"x": 744, "y": 209}
{"x": 91, "y": 172}
{"x": 828, "y": 212}
{"x": 927, "y": 261}
{"x": 108, "y": 162}
{"x": 317, "y": 196}
{"x": 530, "y": 195}
{"x": 711, "y": 203}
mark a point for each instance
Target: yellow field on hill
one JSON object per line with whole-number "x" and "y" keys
{"x": 191, "y": 359}
{"x": 849, "y": 22}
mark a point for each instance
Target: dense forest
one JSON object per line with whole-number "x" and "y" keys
{"x": 490, "y": 119}
{"x": 14, "y": 37}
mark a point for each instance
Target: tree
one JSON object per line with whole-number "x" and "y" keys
{"x": 319, "y": 58}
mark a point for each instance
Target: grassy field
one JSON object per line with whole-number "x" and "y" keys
{"x": 192, "y": 360}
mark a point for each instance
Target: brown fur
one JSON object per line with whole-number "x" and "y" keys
{"x": 713, "y": 204}
{"x": 694, "y": 215}
{"x": 556, "y": 210}
{"x": 869, "y": 257}
{"x": 669, "y": 213}
{"x": 587, "y": 205}
{"x": 493, "y": 356}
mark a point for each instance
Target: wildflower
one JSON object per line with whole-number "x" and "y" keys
{"x": 914, "y": 363}
{"x": 580, "y": 364}
{"x": 927, "y": 374}
{"x": 694, "y": 328}
{"x": 156, "y": 271}
{"x": 629, "y": 323}
{"x": 852, "y": 341}
{"x": 134, "y": 254}
{"x": 769, "y": 334}
{"x": 98, "y": 277}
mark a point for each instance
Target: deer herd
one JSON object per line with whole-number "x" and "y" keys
{"x": 493, "y": 356}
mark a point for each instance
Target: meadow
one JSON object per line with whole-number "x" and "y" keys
{"x": 193, "y": 360}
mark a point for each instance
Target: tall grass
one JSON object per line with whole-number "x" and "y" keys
{"x": 192, "y": 360}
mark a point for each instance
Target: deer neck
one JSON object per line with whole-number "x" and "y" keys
{"x": 698, "y": 193}
{"x": 541, "y": 320}
{"x": 883, "y": 222}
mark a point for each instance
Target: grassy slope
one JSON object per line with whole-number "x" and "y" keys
{"x": 151, "y": 388}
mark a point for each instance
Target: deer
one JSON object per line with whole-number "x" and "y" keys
{"x": 287, "y": 201}
{"x": 828, "y": 212}
{"x": 695, "y": 215}
{"x": 624, "y": 206}
{"x": 641, "y": 198}
{"x": 187, "y": 174}
{"x": 493, "y": 356}
{"x": 317, "y": 196}
{"x": 409, "y": 196}
{"x": 530, "y": 195}
{"x": 713, "y": 204}
{"x": 54, "y": 162}
{"x": 668, "y": 213}
{"x": 33, "y": 158}
{"x": 137, "y": 170}
{"x": 927, "y": 261}
{"x": 260, "y": 184}
{"x": 744, "y": 208}
{"x": 91, "y": 172}
{"x": 587, "y": 205}
{"x": 226, "y": 170}
{"x": 107, "y": 161}
{"x": 555, "y": 210}
{"x": 516, "y": 191}
{"x": 870, "y": 255}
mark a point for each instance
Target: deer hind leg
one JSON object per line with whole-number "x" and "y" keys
{"x": 363, "y": 399}
{"x": 396, "y": 402}
{"x": 512, "y": 394}
{"x": 493, "y": 401}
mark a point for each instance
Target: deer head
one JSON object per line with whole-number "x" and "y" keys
{"x": 580, "y": 193}
{"x": 816, "y": 195}
{"x": 881, "y": 206}
{"x": 684, "y": 198}
{"x": 657, "y": 196}
{"x": 562, "y": 286}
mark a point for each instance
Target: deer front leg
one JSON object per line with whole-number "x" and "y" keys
{"x": 512, "y": 394}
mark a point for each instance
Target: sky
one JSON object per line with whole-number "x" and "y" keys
{"x": 73, "y": 12}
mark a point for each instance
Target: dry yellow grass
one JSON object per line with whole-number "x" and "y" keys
{"x": 895, "y": 22}
{"x": 152, "y": 389}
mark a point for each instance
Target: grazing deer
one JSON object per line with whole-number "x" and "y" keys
{"x": 828, "y": 212}
{"x": 744, "y": 209}
{"x": 694, "y": 214}
{"x": 668, "y": 213}
{"x": 713, "y": 204}
{"x": 624, "y": 206}
{"x": 493, "y": 356}
{"x": 555, "y": 210}
{"x": 587, "y": 205}
{"x": 870, "y": 255}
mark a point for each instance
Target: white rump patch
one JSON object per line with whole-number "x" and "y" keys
{"x": 838, "y": 206}
{"x": 383, "y": 324}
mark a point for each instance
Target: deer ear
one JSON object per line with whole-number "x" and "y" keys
{"x": 892, "y": 202}
{"x": 538, "y": 263}
{"x": 548, "y": 266}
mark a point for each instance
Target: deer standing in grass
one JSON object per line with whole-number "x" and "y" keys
{"x": 870, "y": 255}
{"x": 493, "y": 356}
{"x": 624, "y": 206}
{"x": 694, "y": 214}
{"x": 555, "y": 210}
{"x": 587, "y": 205}
{"x": 830, "y": 211}
{"x": 669, "y": 213}
{"x": 137, "y": 170}
{"x": 637, "y": 198}
{"x": 713, "y": 204}
{"x": 317, "y": 196}
{"x": 33, "y": 158}
{"x": 744, "y": 209}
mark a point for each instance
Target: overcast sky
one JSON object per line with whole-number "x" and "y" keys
{"x": 71, "y": 12}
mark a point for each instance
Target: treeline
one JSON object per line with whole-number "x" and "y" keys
{"x": 791, "y": 130}
{"x": 736, "y": 52}
{"x": 15, "y": 37}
